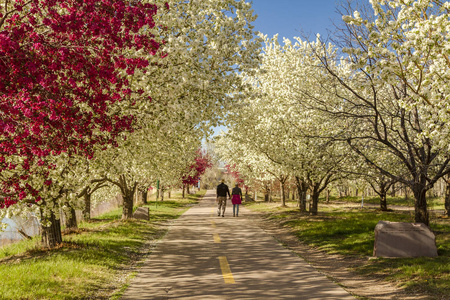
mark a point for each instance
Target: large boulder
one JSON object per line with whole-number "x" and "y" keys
{"x": 142, "y": 213}
{"x": 398, "y": 239}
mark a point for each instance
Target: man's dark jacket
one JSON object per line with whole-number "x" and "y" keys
{"x": 222, "y": 190}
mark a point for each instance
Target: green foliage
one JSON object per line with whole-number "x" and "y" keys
{"x": 88, "y": 264}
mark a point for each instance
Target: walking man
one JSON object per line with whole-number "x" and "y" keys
{"x": 221, "y": 197}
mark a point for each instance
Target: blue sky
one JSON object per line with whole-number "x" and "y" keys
{"x": 290, "y": 17}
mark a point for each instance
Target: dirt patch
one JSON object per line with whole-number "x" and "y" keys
{"x": 337, "y": 267}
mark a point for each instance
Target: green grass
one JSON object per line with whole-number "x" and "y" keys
{"x": 350, "y": 232}
{"x": 433, "y": 202}
{"x": 16, "y": 248}
{"x": 90, "y": 264}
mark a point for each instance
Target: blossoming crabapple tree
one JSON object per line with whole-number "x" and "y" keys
{"x": 201, "y": 162}
{"x": 59, "y": 78}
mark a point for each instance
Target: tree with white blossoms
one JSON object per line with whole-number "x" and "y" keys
{"x": 277, "y": 122}
{"x": 361, "y": 169}
{"x": 145, "y": 156}
{"x": 391, "y": 91}
{"x": 208, "y": 43}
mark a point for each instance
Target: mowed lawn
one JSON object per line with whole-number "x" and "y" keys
{"x": 94, "y": 263}
{"x": 344, "y": 228}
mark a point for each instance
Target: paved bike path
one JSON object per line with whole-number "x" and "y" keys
{"x": 204, "y": 256}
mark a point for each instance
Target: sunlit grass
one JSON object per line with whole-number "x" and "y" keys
{"x": 20, "y": 247}
{"x": 433, "y": 202}
{"x": 350, "y": 232}
{"x": 88, "y": 264}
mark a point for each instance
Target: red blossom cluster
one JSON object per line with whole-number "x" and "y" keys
{"x": 198, "y": 168}
{"x": 234, "y": 172}
{"x": 60, "y": 75}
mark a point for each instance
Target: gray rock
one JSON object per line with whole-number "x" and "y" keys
{"x": 142, "y": 213}
{"x": 398, "y": 239}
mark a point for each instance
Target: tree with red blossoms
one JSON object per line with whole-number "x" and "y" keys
{"x": 61, "y": 76}
{"x": 234, "y": 172}
{"x": 197, "y": 169}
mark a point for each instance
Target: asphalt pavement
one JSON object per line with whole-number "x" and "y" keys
{"x": 204, "y": 256}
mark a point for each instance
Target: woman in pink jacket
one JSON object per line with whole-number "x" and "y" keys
{"x": 236, "y": 199}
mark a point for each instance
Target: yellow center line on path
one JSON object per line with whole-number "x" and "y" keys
{"x": 226, "y": 272}
{"x": 216, "y": 238}
{"x": 213, "y": 224}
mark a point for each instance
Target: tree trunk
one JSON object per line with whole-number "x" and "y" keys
{"x": 393, "y": 190}
{"x": 315, "y": 202}
{"x": 71, "y": 219}
{"x": 187, "y": 189}
{"x": 283, "y": 193}
{"x": 87, "y": 206}
{"x": 447, "y": 197}
{"x": 184, "y": 188}
{"x": 144, "y": 196}
{"x": 266, "y": 196}
{"x": 127, "y": 211}
{"x": 51, "y": 234}
{"x": 162, "y": 194}
{"x": 383, "y": 196}
{"x": 302, "y": 206}
{"x": 169, "y": 194}
{"x": 420, "y": 204}
{"x": 136, "y": 196}
{"x": 328, "y": 195}
{"x": 383, "y": 201}
{"x": 301, "y": 189}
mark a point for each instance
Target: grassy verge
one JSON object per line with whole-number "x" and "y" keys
{"x": 350, "y": 232}
{"x": 91, "y": 264}
{"x": 434, "y": 203}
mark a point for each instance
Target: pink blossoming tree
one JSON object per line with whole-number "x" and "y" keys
{"x": 61, "y": 66}
{"x": 197, "y": 169}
